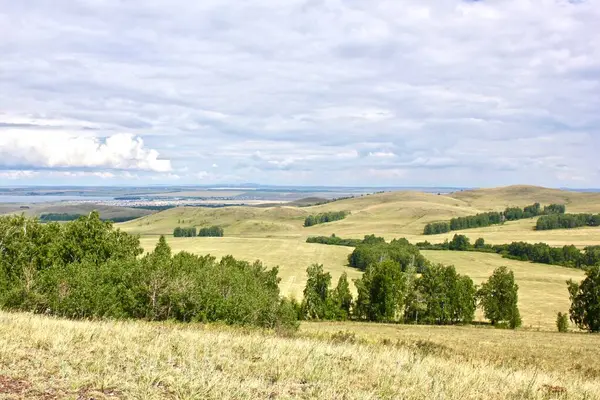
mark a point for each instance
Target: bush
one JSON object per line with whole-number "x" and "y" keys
{"x": 562, "y": 322}
{"x": 87, "y": 269}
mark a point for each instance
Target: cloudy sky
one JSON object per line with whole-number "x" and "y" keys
{"x": 303, "y": 92}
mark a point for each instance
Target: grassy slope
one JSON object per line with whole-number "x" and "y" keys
{"x": 46, "y": 358}
{"x": 388, "y": 214}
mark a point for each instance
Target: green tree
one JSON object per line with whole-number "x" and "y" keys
{"x": 499, "y": 296}
{"x": 448, "y": 297}
{"x": 382, "y": 292}
{"x": 342, "y": 296}
{"x": 460, "y": 243}
{"x": 585, "y": 300}
{"x": 479, "y": 243}
{"x": 317, "y": 303}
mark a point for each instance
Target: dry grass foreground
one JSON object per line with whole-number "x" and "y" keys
{"x": 47, "y": 358}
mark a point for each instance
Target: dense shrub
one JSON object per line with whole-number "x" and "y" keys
{"x": 87, "y": 269}
{"x": 585, "y": 300}
{"x": 184, "y": 232}
{"x": 325, "y": 217}
{"x": 213, "y": 231}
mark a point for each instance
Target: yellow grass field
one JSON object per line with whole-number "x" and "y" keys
{"x": 46, "y": 358}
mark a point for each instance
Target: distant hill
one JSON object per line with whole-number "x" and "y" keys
{"x": 106, "y": 212}
{"x": 390, "y": 214}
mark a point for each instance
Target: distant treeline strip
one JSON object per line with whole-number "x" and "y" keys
{"x": 338, "y": 241}
{"x": 213, "y": 231}
{"x": 64, "y": 217}
{"x": 567, "y": 221}
{"x": 567, "y": 256}
{"x": 492, "y": 218}
{"x": 325, "y": 217}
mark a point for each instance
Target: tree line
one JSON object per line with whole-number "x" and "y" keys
{"x": 88, "y": 269}
{"x": 566, "y": 221}
{"x": 567, "y": 256}
{"x": 325, "y": 217}
{"x": 64, "y": 217}
{"x": 391, "y": 290}
{"x": 338, "y": 241}
{"x": 492, "y": 218}
{"x": 212, "y": 231}
{"x": 387, "y": 293}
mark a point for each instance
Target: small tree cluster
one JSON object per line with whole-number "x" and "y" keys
{"x": 441, "y": 296}
{"x": 325, "y": 217}
{"x": 212, "y": 231}
{"x": 322, "y": 303}
{"x": 184, "y": 232}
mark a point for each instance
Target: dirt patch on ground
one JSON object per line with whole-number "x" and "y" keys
{"x": 12, "y": 388}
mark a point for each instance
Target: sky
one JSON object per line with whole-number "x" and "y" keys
{"x": 312, "y": 92}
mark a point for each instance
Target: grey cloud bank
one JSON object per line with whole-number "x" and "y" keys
{"x": 398, "y": 93}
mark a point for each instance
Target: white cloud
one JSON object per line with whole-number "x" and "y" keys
{"x": 55, "y": 150}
